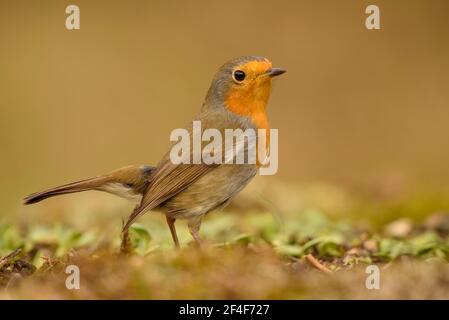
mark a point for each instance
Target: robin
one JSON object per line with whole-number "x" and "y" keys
{"x": 236, "y": 99}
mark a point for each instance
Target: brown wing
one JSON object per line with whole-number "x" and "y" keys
{"x": 167, "y": 181}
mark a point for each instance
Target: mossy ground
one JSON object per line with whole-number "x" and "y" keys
{"x": 255, "y": 249}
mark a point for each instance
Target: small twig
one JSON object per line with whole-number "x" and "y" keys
{"x": 6, "y": 259}
{"x": 316, "y": 264}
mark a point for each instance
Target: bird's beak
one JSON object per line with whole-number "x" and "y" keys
{"x": 273, "y": 72}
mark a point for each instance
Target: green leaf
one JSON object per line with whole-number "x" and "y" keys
{"x": 290, "y": 250}
{"x": 141, "y": 238}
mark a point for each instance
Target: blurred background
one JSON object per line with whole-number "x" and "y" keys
{"x": 358, "y": 108}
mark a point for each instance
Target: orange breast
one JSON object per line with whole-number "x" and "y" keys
{"x": 252, "y": 101}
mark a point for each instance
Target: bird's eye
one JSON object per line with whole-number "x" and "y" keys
{"x": 239, "y": 75}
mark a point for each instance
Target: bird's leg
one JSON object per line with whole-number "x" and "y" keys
{"x": 126, "y": 246}
{"x": 171, "y": 225}
{"x": 194, "y": 228}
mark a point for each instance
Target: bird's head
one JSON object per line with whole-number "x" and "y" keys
{"x": 243, "y": 85}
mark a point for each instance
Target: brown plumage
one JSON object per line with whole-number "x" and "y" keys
{"x": 128, "y": 182}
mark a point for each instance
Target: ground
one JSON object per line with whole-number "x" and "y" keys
{"x": 317, "y": 245}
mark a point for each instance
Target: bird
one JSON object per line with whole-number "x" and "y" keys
{"x": 236, "y": 99}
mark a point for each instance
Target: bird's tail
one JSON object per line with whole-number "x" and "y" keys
{"x": 128, "y": 182}
{"x": 78, "y": 186}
